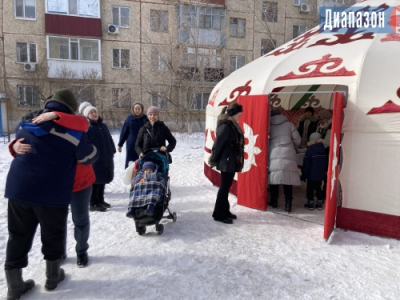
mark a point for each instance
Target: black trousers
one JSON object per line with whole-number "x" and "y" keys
{"x": 221, "y": 209}
{"x": 97, "y": 194}
{"x": 287, "y": 190}
{"x": 314, "y": 186}
{"x": 23, "y": 219}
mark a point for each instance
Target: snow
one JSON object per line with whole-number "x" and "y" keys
{"x": 263, "y": 255}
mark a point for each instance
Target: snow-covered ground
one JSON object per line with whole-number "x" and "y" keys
{"x": 263, "y": 255}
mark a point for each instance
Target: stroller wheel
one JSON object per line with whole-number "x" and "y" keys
{"x": 160, "y": 229}
{"x": 142, "y": 230}
{"x": 174, "y": 217}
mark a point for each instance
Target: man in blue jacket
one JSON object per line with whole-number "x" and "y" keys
{"x": 39, "y": 189}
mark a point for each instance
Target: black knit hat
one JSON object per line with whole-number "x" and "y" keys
{"x": 235, "y": 109}
{"x": 65, "y": 97}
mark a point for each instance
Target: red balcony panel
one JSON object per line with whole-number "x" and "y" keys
{"x": 71, "y": 25}
{"x": 217, "y": 2}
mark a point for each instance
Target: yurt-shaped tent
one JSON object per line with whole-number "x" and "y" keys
{"x": 364, "y": 165}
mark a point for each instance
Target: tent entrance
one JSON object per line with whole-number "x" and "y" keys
{"x": 257, "y": 197}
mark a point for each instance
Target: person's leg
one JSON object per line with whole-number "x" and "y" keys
{"x": 96, "y": 197}
{"x": 22, "y": 224}
{"x": 319, "y": 193}
{"x": 310, "y": 194}
{"x": 53, "y": 225}
{"x": 221, "y": 209}
{"x": 101, "y": 196}
{"x": 80, "y": 217}
{"x": 274, "y": 190}
{"x": 288, "y": 191}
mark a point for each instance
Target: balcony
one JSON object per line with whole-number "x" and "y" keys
{"x": 67, "y": 69}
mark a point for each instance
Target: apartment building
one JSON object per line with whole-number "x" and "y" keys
{"x": 113, "y": 53}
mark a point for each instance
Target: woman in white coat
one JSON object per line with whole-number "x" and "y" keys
{"x": 282, "y": 161}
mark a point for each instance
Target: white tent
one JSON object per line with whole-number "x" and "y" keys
{"x": 364, "y": 65}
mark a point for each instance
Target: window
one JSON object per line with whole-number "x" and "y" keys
{"x": 236, "y": 62}
{"x": 121, "y": 98}
{"x": 298, "y": 30}
{"x": 299, "y": 2}
{"x": 158, "y": 61}
{"x": 73, "y": 49}
{"x": 121, "y": 58}
{"x": 237, "y": 27}
{"x": 158, "y": 99}
{"x": 200, "y": 101}
{"x": 27, "y": 95}
{"x": 26, "y": 53}
{"x": 270, "y": 11}
{"x": 158, "y": 20}
{"x": 25, "y": 9}
{"x": 121, "y": 15}
{"x": 212, "y": 18}
{"x": 83, "y": 93}
{"x": 88, "y": 8}
{"x": 267, "y": 46}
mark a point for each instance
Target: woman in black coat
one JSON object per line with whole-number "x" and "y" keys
{"x": 153, "y": 134}
{"x": 228, "y": 156}
{"x": 100, "y": 136}
{"x": 130, "y": 130}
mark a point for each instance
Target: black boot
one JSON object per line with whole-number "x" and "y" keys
{"x": 319, "y": 204}
{"x": 288, "y": 205}
{"x": 309, "y": 205}
{"x": 54, "y": 274}
{"x": 273, "y": 202}
{"x": 16, "y": 285}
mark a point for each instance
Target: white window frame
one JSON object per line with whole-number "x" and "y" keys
{"x": 77, "y": 8}
{"x": 159, "y": 20}
{"x": 265, "y": 7}
{"x": 119, "y": 16}
{"x": 120, "y": 58}
{"x": 78, "y": 40}
{"x": 204, "y": 101}
{"x": 158, "y": 102}
{"x": 236, "y": 57}
{"x": 24, "y": 7}
{"x": 28, "y": 51}
{"x": 237, "y": 27}
{"x": 22, "y": 100}
{"x": 298, "y": 30}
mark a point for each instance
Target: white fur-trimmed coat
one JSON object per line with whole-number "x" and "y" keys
{"x": 282, "y": 162}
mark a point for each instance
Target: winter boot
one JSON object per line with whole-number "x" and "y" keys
{"x": 273, "y": 202}
{"x": 16, "y": 285}
{"x": 288, "y": 205}
{"x": 319, "y": 204}
{"x": 309, "y": 205}
{"x": 54, "y": 274}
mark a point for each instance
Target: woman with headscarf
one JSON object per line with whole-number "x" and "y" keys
{"x": 130, "y": 130}
{"x": 282, "y": 159}
{"x": 228, "y": 156}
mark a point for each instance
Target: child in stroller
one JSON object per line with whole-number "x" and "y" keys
{"x": 150, "y": 193}
{"x": 147, "y": 174}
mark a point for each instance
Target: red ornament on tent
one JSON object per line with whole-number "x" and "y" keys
{"x": 239, "y": 91}
{"x": 388, "y": 107}
{"x": 343, "y": 39}
{"x": 325, "y": 60}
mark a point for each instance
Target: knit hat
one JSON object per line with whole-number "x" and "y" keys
{"x": 149, "y": 165}
{"x": 234, "y": 110}
{"x": 325, "y": 114}
{"x": 65, "y": 97}
{"x": 315, "y": 136}
{"x": 82, "y": 106}
{"x": 275, "y": 112}
{"x": 88, "y": 109}
{"x": 153, "y": 109}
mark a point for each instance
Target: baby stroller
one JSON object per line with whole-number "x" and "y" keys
{"x": 141, "y": 219}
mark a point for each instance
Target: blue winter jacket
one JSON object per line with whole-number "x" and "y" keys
{"x": 100, "y": 136}
{"x": 45, "y": 175}
{"x": 314, "y": 163}
{"x": 129, "y": 133}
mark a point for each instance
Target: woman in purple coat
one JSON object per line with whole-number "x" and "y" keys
{"x": 130, "y": 130}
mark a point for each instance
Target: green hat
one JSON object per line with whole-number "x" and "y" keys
{"x": 66, "y": 97}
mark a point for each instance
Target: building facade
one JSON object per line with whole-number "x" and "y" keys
{"x": 114, "y": 53}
